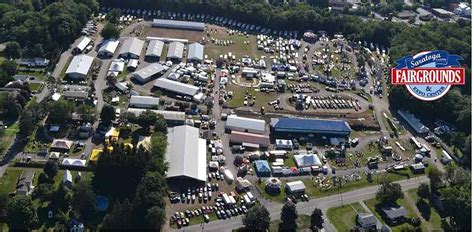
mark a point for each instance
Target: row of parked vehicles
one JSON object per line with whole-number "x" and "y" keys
{"x": 203, "y": 194}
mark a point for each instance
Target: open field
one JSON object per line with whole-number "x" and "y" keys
{"x": 344, "y": 217}
{"x": 239, "y": 48}
{"x": 433, "y": 221}
{"x": 303, "y": 223}
{"x": 9, "y": 180}
{"x": 261, "y": 99}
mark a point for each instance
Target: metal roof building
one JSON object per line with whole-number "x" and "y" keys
{"x": 131, "y": 48}
{"x": 177, "y": 24}
{"x": 186, "y": 153}
{"x": 195, "y": 52}
{"x": 79, "y": 66}
{"x": 250, "y": 125}
{"x": 175, "y": 51}
{"x": 295, "y": 187}
{"x": 176, "y": 87}
{"x": 242, "y": 137}
{"x": 310, "y": 126}
{"x": 413, "y": 122}
{"x": 146, "y": 102}
{"x": 145, "y": 74}
{"x": 82, "y": 44}
{"x": 155, "y": 48}
{"x": 262, "y": 168}
{"x": 171, "y": 117}
{"x": 108, "y": 48}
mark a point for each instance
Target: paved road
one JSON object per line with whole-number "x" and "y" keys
{"x": 324, "y": 203}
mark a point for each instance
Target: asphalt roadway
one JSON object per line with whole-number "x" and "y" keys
{"x": 324, "y": 203}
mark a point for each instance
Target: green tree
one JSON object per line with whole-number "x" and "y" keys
{"x": 120, "y": 217}
{"x": 160, "y": 124}
{"x": 21, "y": 214}
{"x": 317, "y": 219}
{"x": 9, "y": 67}
{"x": 457, "y": 205}
{"x": 107, "y": 114}
{"x": 12, "y": 50}
{"x": 257, "y": 219}
{"x": 4, "y": 198}
{"x": 114, "y": 15}
{"x": 288, "y": 215}
{"x": 436, "y": 179}
{"x": 158, "y": 144}
{"x": 147, "y": 118}
{"x": 60, "y": 111}
{"x": 389, "y": 192}
{"x": 44, "y": 192}
{"x": 83, "y": 201}
{"x": 110, "y": 31}
{"x": 51, "y": 168}
{"x": 155, "y": 217}
{"x": 26, "y": 123}
{"x": 87, "y": 112}
{"x": 423, "y": 191}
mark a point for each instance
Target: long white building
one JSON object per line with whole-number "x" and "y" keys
{"x": 79, "y": 67}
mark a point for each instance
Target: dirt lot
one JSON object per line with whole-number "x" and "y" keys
{"x": 194, "y": 36}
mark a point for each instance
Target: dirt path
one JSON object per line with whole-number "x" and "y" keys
{"x": 412, "y": 202}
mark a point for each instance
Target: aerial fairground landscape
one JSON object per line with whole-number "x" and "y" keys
{"x": 235, "y": 115}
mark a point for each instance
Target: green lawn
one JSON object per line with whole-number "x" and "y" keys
{"x": 290, "y": 161}
{"x": 239, "y": 49}
{"x": 428, "y": 212}
{"x": 314, "y": 191}
{"x": 344, "y": 217}
{"x": 63, "y": 71}
{"x": 12, "y": 130}
{"x": 374, "y": 205}
{"x": 303, "y": 223}
{"x": 237, "y": 100}
{"x": 35, "y": 87}
{"x": 9, "y": 180}
{"x": 38, "y": 73}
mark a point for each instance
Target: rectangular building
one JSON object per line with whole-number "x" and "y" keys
{"x": 176, "y": 87}
{"x": 195, "y": 52}
{"x": 250, "y": 125}
{"x": 175, "y": 51}
{"x": 295, "y": 187}
{"x": 82, "y": 45}
{"x": 145, "y": 102}
{"x": 413, "y": 122}
{"x": 108, "y": 47}
{"x": 147, "y": 73}
{"x": 173, "y": 118}
{"x": 242, "y": 137}
{"x": 154, "y": 50}
{"x": 177, "y": 24}
{"x": 79, "y": 67}
{"x": 131, "y": 48}
{"x": 186, "y": 154}
{"x": 311, "y": 128}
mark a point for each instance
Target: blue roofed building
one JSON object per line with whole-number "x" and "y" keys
{"x": 413, "y": 122}
{"x": 262, "y": 168}
{"x": 309, "y": 129}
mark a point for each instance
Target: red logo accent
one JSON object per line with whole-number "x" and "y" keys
{"x": 428, "y": 76}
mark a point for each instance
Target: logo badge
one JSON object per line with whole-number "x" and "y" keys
{"x": 428, "y": 75}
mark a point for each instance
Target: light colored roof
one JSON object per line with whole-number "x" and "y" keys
{"x": 195, "y": 51}
{"x": 83, "y": 43}
{"x": 307, "y": 160}
{"x": 243, "y": 137}
{"x": 234, "y": 121}
{"x": 295, "y": 186}
{"x": 414, "y": 122}
{"x": 61, "y": 144}
{"x": 186, "y": 153}
{"x": 67, "y": 177}
{"x": 144, "y": 100}
{"x": 117, "y": 65}
{"x": 175, "y": 50}
{"x": 148, "y": 71}
{"x": 155, "y": 48}
{"x": 177, "y": 87}
{"x": 109, "y": 46}
{"x": 80, "y": 64}
{"x": 178, "y": 24}
{"x": 168, "y": 115}
{"x": 74, "y": 162}
{"x": 133, "y": 46}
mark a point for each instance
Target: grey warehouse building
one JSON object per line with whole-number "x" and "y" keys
{"x": 176, "y": 87}
{"x": 175, "y": 51}
{"x": 154, "y": 50}
{"x": 147, "y": 73}
{"x": 177, "y": 24}
{"x": 195, "y": 52}
{"x": 131, "y": 48}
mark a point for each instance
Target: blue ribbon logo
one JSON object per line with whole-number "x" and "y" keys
{"x": 441, "y": 59}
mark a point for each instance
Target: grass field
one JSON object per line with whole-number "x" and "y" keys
{"x": 303, "y": 223}
{"x": 239, "y": 48}
{"x": 314, "y": 191}
{"x": 428, "y": 212}
{"x": 344, "y": 217}
{"x": 9, "y": 180}
{"x": 35, "y": 87}
{"x": 261, "y": 99}
{"x": 36, "y": 73}
{"x": 373, "y": 205}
